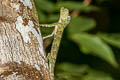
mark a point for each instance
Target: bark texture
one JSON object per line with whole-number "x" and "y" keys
{"x": 21, "y": 47}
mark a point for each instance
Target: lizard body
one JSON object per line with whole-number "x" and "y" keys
{"x": 58, "y": 31}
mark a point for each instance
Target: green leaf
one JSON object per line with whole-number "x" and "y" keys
{"x": 72, "y": 5}
{"x": 72, "y": 68}
{"x": 95, "y": 46}
{"x": 42, "y": 16}
{"x": 81, "y": 24}
{"x": 44, "y": 5}
{"x": 68, "y": 71}
{"x": 53, "y": 18}
{"x": 97, "y": 75}
{"x": 113, "y": 39}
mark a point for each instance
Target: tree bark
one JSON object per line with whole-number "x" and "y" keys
{"x": 22, "y": 56}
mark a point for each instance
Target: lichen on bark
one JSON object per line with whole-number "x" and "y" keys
{"x": 22, "y": 56}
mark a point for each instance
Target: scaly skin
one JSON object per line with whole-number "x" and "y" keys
{"x": 58, "y": 31}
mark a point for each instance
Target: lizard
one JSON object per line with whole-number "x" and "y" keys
{"x": 57, "y": 33}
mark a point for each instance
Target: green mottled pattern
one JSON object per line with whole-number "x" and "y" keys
{"x": 59, "y": 28}
{"x": 63, "y": 22}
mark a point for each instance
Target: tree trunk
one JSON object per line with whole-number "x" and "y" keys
{"x": 22, "y": 56}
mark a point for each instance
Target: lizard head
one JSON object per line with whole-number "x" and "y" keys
{"x": 64, "y": 16}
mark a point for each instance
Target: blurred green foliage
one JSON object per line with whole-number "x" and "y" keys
{"x": 113, "y": 39}
{"x": 80, "y": 24}
{"x": 69, "y": 71}
{"x": 84, "y": 31}
{"x": 94, "y": 45}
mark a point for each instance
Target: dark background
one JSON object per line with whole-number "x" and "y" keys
{"x": 107, "y": 21}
